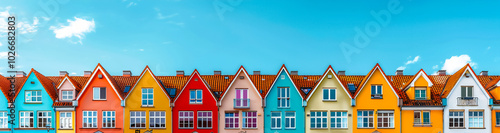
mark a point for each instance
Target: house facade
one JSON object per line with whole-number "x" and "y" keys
{"x": 5, "y": 99}
{"x": 65, "y": 111}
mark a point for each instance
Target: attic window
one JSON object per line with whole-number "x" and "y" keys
{"x": 195, "y": 79}
{"x": 32, "y": 82}
{"x": 99, "y": 76}
{"x": 305, "y": 77}
{"x": 241, "y": 77}
{"x": 329, "y": 76}
{"x": 226, "y": 77}
{"x": 282, "y": 77}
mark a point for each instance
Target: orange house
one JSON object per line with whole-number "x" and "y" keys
{"x": 376, "y": 104}
{"x": 493, "y": 88}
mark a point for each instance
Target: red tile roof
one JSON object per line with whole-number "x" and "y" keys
{"x": 62, "y": 104}
{"x": 46, "y": 83}
{"x": 176, "y": 82}
{"x": 262, "y": 83}
{"x": 305, "y": 81}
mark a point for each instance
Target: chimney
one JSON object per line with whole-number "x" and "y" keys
{"x": 62, "y": 73}
{"x": 399, "y": 72}
{"x": 294, "y": 73}
{"x": 256, "y": 72}
{"x": 87, "y": 73}
{"x": 127, "y": 73}
{"x": 179, "y": 73}
{"x": 442, "y": 72}
{"x": 217, "y": 72}
{"x": 20, "y": 74}
{"x": 341, "y": 73}
{"x": 484, "y": 73}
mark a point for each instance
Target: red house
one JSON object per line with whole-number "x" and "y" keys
{"x": 195, "y": 107}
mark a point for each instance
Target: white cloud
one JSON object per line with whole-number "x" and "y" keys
{"x": 141, "y": 49}
{"x": 73, "y": 73}
{"x": 160, "y": 16}
{"x": 76, "y": 28}
{"x": 131, "y": 4}
{"x": 454, "y": 63}
{"x": 4, "y": 55}
{"x": 401, "y": 68}
{"x": 415, "y": 60}
{"x": 23, "y": 26}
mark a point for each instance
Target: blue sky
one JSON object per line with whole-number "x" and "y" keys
{"x": 261, "y": 35}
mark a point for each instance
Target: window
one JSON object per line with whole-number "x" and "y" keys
{"x": 205, "y": 119}
{"x": 476, "y": 119}
{"x": 157, "y": 119}
{"x": 466, "y": 91}
{"x": 421, "y": 118}
{"x": 275, "y": 120}
{"x": 65, "y": 120}
{"x": 416, "y": 117}
{"x": 195, "y": 96}
{"x": 249, "y": 119}
{"x": 232, "y": 120}
{"x": 242, "y": 100}
{"x": 99, "y": 93}
{"x": 329, "y": 94}
{"x": 420, "y": 93}
{"x": 186, "y": 119}
{"x": 283, "y": 97}
{"x": 67, "y": 95}
{"x": 290, "y": 120}
{"x": 456, "y": 119}
{"x": 26, "y": 119}
{"x": 89, "y": 119}
{"x": 137, "y": 119}
{"x": 33, "y": 96}
{"x": 44, "y": 119}
{"x": 497, "y": 115}
{"x": 376, "y": 91}
{"x": 4, "y": 121}
{"x": 108, "y": 119}
{"x": 319, "y": 119}
{"x": 147, "y": 97}
{"x": 427, "y": 117}
{"x": 338, "y": 119}
{"x": 365, "y": 119}
{"x": 385, "y": 119}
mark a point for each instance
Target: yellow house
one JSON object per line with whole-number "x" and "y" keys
{"x": 422, "y": 110}
{"x": 147, "y": 106}
{"x": 376, "y": 104}
{"x": 65, "y": 111}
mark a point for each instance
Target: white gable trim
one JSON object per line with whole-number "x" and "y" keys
{"x": 189, "y": 80}
{"x": 383, "y": 75}
{"x": 276, "y": 79}
{"x": 62, "y": 82}
{"x": 475, "y": 80}
{"x": 322, "y": 78}
{"x": 99, "y": 67}
{"x": 234, "y": 79}
{"x": 150, "y": 73}
{"x": 420, "y": 73}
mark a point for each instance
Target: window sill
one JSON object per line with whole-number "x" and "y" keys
{"x": 147, "y": 106}
{"x": 386, "y": 127}
{"x": 65, "y": 129}
{"x": 196, "y": 103}
{"x": 290, "y": 128}
{"x": 477, "y": 128}
{"x": 33, "y": 128}
{"x": 138, "y": 128}
{"x": 251, "y": 128}
{"x": 186, "y": 128}
{"x": 457, "y": 127}
{"x": 329, "y": 100}
{"x": 88, "y": 128}
{"x": 98, "y": 99}
{"x": 283, "y": 107}
{"x": 32, "y": 102}
{"x": 339, "y": 128}
{"x": 275, "y": 128}
{"x": 203, "y": 128}
{"x": 319, "y": 128}
{"x": 4, "y": 129}
{"x": 110, "y": 128}
{"x": 232, "y": 128}
{"x": 157, "y": 128}
{"x": 422, "y": 125}
{"x": 366, "y": 127}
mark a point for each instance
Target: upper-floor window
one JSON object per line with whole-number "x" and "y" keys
{"x": 33, "y": 96}
{"x": 376, "y": 91}
{"x": 421, "y": 118}
{"x": 67, "y": 95}
{"x": 65, "y": 120}
{"x": 195, "y": 96}
{"x": 44, "y": 119}
{"x": 4, "y": 120}
{"x": 476, "y": 119}
{"x": 420, "y": 93}
{"x": 329, "y": 94}
{"x": 147, "y": 96}
{"x": 456, "y": 119}
{"x": 99, "y": 93}
{"x": 466, "y": 91}
{"x": 283, "y": 97}
{"x": 241, "y": 100}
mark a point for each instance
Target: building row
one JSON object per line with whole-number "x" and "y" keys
{"x": 98, "y": 102}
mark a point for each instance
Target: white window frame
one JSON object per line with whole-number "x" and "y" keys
{"x": 138, "y": 117}
{"x": 329, "y": 90}
{"x": 389, "y": 115}
{"x": 290, "y": 119}
{"x": 27, "y": 119}
{"x": 157, "y": 118}
{"x": 91, "y": 119}
{"x": 45, "y": 115}
{"x": 147, "y": 97}
{"x": 420, "y": 89}
{"x": 276, "y": 119}
{"x": 196, "y": 100}
{"x": 381, "y": 93}
{"x": 99, "y": 93}
{"x": 28, "y": 98}
{"x": 247, "y": 119}
{"x": 285, "y": 98}
{"x": 66, "y": 122}
{"x": 235, "y": 120}
{"x": 68, "y": 96}
{"x": 362, "y": 114}
{"x": 475, "y": 121}
{"x": 419, "y": 122}
{"x": 185, "y": 118}
{"x": 343, "y": 119}
{"x": 108, "y": 118}
{"x": 323, "y": 117}
{"x": 4, "y": 119}
{"x": 204, "y": 118}
{"x": 458, "y": 117}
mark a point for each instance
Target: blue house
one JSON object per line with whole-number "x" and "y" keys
{"x": 33, "y": 105}
{"x": 284, "y": 110}
{"x": 4, "y": 103}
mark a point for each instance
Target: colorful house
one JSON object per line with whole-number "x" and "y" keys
{"x": 33, "y": 105}
{"x": 493, "y": 88}
{"x": 67, "y": 89}
{"x": 195, "y": 107}
{"x": 5, "y": 99}
{"x": 329, "y": 106}
{"x": 99, "y": 104}
{"x": 147, "y": 106}
{"x": 240, "y": 107}
{"x": 467, "y": 103}
{"x": 284, "y": 108}
{"x": 422, "y": 110}
{"x": 376, "y": 106}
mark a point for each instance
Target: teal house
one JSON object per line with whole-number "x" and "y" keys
{"x": 284, "y": 110}
{"x": 33, "y": 104}
{"x": 5, "y": 127}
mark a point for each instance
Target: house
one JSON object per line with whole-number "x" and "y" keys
{"x": 195, "y": 107}
{"x": 493, "y": 88}
{"x": 284, "y": 108}
{"x": 147, "y": 105}
{"x": 5, "y": 99}
{"x": 329, "y": 105}
{"x": 376, "y": 104}
{"x": 467, "y": 103}
{"x": 67, "y": 89}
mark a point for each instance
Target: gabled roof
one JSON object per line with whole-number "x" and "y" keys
{"x": 176, "y": 82}
{"x": 453, "y": 81}
{"x": 368, "y": 76}
{"x": 147, "y": 69}
{"x": 330, "y": 69}
{"x": 46, "y": 83}
{"x": 109, "y": 78}
{"x": 420, "y": 73}
{"x": 71, "y": 81}
{"x": 195, "y": 73}
{"x": 241, "y": 69}
{"x": 283, "y": 68}
{"x": 5, "y": 87}
{"x": 218, "y": 83}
